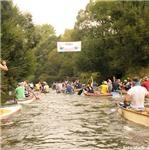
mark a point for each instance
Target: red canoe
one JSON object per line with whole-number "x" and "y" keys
{"x": 97, "y": 94}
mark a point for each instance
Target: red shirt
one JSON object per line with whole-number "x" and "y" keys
{"x": 146, "y": 84}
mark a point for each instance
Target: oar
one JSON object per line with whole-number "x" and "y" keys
{"x": 15, "y": 101}
{"x": 80, "y": 92}
{"x": 34, "y": 94}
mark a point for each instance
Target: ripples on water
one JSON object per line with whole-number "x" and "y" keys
{"x": 72, "y": 122}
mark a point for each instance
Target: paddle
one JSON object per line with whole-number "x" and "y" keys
{"x": 92, "y": 83}
{"x": 80, "y": 92}
{"x": 15, "y": 101}
{"x": 34, "y": 94}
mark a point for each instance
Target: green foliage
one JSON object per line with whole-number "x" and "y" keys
{"x": 85, "y": 76}
{"x": 17, "y": 43}
{"x": 114, "y": 36}
{"x": 47, "y": 42}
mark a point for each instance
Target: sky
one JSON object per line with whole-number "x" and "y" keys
{"x": 61, "y": 14}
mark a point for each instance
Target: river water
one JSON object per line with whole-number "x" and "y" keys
{"x": 72, "y": 122}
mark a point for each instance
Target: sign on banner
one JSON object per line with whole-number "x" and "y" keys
{"x": 69, "y": 46}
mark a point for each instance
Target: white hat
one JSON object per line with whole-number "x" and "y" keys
{"x": 105, "y": 82}
{"x": 145, "y": 78}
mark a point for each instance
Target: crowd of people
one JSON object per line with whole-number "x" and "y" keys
{"x": 67, "y": 86}
{"x": 106, "y": 86}
{"x": 43, "y": 87}
{"x": 136, "y": 89}
{"x": 25, "y": 89}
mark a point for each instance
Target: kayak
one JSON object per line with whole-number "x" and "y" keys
{"x": 97, "y": 94}
{"x": 26, "y": 100}
{"x": 6, "y": 112}
{"x": 135, "y": 116}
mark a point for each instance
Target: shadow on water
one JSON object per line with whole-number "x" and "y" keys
{"x": 72, "y": 122}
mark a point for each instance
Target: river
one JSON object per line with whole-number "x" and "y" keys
{"x": 72, "y": 122}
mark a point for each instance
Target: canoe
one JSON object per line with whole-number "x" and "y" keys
{"x": 138, "y": 117}
{"x": 26, "y": 100}
{"x": 6, "y": 112}
{"x": 97, "y": 94}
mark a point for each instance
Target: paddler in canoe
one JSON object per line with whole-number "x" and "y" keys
{"x": 102, "y": 91}
{"x": 136, "y": 96}
{"x": 46, "y": 88}
{"x": 104, "y": 87}
{"x": 69, "y": 88}
{"x": 20, "y": 91}
{"x": 20, "y": 94}
{"x": 77, "y": 86}
{"x": 88, "y": 88}
{"x": 110, "y": 86}
{"x": 145, "y": 83}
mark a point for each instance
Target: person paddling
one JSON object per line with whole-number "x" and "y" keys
{"x": 136, "y": 95}
{"x": 20, "y": 91}
{"x": 145, "y": 83}
{"x": 88, "y": 88}
{"x": 104, "y": 87}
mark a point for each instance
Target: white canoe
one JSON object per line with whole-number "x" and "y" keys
{"x": 135, "y": 116}
{"x": 6, "y": 112}
{"x": 27, "y": 100}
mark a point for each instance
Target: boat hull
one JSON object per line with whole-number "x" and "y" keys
{"x": 135, "y": 116}
{"x": 97, "y": 94}
{"x": 7, "y": 112}
{"x": 26, "y": 101}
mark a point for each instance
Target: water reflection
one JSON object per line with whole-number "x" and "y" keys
{"x": 61, "y": 122}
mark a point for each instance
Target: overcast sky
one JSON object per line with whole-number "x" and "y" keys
{"x": 61, "y": 14}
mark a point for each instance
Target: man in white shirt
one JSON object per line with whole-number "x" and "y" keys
{"x": 136, "y": 95}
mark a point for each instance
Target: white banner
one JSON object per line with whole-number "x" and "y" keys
{"x": 69, "y": 46}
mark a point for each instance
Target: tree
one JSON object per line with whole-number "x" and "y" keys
{"x": 17, "y": 45}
